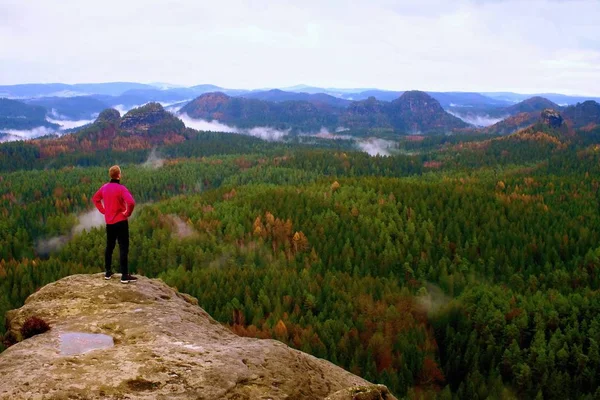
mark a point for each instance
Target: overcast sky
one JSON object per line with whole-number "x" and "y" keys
{"x": 529, "y": 46}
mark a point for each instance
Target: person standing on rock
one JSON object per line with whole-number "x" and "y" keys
{"x": 116, "y": 203}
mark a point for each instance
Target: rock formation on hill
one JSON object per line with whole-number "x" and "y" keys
{"x": 141, "y": 128}
{"x": 551, "y": 118}
{"x": 147, "y": 341}
{"x": 548, "y": 117}
{"x": 418, "y": 112}
{"x": 149, "y": 117}
{"x": 110, "y": 115}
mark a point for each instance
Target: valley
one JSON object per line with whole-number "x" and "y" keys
{"x": 460, "y": 264}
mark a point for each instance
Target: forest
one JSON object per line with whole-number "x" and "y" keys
{"x": 460, "y": 267}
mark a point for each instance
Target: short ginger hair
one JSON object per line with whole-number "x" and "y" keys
{"x": 114, "y": 172}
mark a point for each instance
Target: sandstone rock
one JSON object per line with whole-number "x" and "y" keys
{"x": 109, "y": 115}
{"x": 552, "y": 118}
{"x": 165, "y": 347}
{"x": 141, "y": 119}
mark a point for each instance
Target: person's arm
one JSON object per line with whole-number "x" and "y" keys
{"x": 97, "y": 199}
{"x": 129, "y": 201}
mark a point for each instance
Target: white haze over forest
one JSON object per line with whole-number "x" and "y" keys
{"x": 261, "y": 132}
{"x": 26, "y": 134}
{"x": 372, "y": 146}
{"x": 85, "y": 221}
{"x": 477, "y": 120}
{"x": 65, "y": 123}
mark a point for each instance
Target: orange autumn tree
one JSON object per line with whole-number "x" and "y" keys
{"x": 281, "y": 234}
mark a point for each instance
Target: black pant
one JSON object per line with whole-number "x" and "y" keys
{"x": 114, "y": 232}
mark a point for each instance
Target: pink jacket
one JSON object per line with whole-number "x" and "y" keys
{"x": 118, "y": 202}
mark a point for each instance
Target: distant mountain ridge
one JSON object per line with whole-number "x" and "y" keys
{"x": 412, "y": 112}
{"x": 85, "y": 100}
{"x": 30, "y": 90}
{"x": 277, "y": 96}
{"x": 15, "y": 115}
{"x": 247, "y": 113}
{"x": 79, "y": 107}
{"x": 533, "y": 104}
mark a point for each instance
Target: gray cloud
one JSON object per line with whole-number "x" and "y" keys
{"x": 480, "y": 45}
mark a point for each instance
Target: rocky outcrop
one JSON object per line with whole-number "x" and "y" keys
{"x": 165, "y": 347}
{"x": 418, "y": 112}
{"x": 110, "y": 115}
{"x": 151, "y": 115}
{"x": 551, "y": 118}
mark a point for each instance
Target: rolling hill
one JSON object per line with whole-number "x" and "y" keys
{"x": 79, "y": 107}
{"x": 586, "y": 114}
{"x": 20, "y": 116}
{"x": 413, "y": 112}
{"x": 278, "y": 96}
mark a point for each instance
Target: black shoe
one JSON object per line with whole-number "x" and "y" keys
{"x": 128, "y": 278}
{"x": 108, "y": 275}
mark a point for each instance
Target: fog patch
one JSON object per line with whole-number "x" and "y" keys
{"x": 85, "y": 221}
{"x": 124, "y": 109}
{"x": 65, "y": 93}
{"x": 375, "y": 146}
{"x": 181, "y": 229}
{"x": 460, "y": 105}
{"x": 325, "y": 134}
{"x": 372, "y": 146}
{"x": 432, "y": 298}
{"x": 175, "y": 107}
{"x": 153, "y": 161}
{"x": 167, "y": 105}
{"x": 206, "y": 126}
{"x": 47, "y": 246}
{"x": 261, "y": 132}
{"x": 477, "y": 120}
{"x": 66, "y": 123}
{"x": 223, "y": 260}
{"x": 63, "y": 122}
{"x": 14, "y": 134}
{"x": 267, "y": 133}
